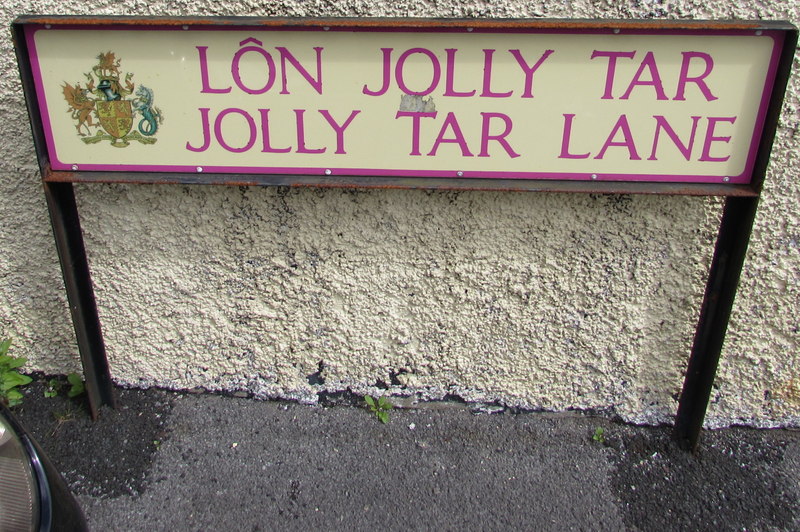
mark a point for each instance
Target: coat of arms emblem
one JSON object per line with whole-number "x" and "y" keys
{"x": 110, "y": 105}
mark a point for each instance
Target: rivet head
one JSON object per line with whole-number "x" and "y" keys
{"x": 469, "y": 29}
{"x": 74, "y": 167}
{"x": 199, "y": 169}
{"x": 460, "y": 173}
{"x": 616, "y": 30}
{"x": 759, "y": 33}
{"x": 726, "y": 179}
{"x": 326, "y": 28}
{"x": 328, "y": 171}
{"x": 594, "y": 176}
{"x": 47, "y": 26}
{"x": 185, "y": 27}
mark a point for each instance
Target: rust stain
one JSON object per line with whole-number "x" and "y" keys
{"x": 790, "y": 392}
{"x": 393, "y": 183}
{"x": 396, "y": 23}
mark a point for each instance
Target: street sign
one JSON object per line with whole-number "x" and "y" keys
{"x": 591, "y": 106}
{"x": 644, "y": 105}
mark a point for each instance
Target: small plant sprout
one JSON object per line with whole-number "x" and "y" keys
{"x": 76, "y": 386}
{"x": 68, "y": 413}
{"x": 380, "y": 407}
{"x": 10, "y": 378}
{"x": 52, "y": 388}
{"x": 599, "y": 435}
{"x": 63, "y": 416}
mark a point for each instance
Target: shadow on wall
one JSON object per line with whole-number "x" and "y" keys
{"x": 541, "y": 300}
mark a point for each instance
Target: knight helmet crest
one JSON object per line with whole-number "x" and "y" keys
{"x": 108, "y": 106}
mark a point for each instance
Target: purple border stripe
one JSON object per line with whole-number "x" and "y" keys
{"x": 744, "y": 178}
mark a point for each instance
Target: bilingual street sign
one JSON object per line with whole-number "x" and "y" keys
{"x": 599, "y": 106}
{"x": 642, "y": 104}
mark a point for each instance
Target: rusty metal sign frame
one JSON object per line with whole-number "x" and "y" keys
{"x": 733, "y": 237}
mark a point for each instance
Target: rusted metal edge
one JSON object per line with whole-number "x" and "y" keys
{"x": 407, "y": 23}
{"x": 369, "y": 182}
{"x": 65, "y": 222}
{"x": 781, "y": 82}
{"x": 723, "y": 278}
{"x": 31, "y": 98}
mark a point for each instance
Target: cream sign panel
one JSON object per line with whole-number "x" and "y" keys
{"x": 662, "y": 106}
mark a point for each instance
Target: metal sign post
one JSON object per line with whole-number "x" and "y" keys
{"x": 651, "y": 107}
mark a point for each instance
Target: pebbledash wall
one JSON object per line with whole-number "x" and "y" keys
{"x": 542, "y": 301}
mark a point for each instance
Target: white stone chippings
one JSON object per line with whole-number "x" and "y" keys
{"x": 542, "y": 301}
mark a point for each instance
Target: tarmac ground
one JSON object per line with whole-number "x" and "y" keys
{"x": 174, "y": 461}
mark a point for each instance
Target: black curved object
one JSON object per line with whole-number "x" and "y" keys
{"x": 58, "y": 509}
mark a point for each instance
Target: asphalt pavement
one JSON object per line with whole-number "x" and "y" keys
{"x": 172, "y": 461}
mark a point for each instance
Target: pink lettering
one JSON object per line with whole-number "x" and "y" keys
{"x": 612, "y": 68}
{"x": 435, "y": 77}
{"x": 250, "y": 124}
{"x": 204, "y": 78}
{"x": 387, "y": 63}
{"x": 499, "y": 138}
{"x": 236, "y": 71}
{"x": 338, "y": 128}
{"x": 565, "y": 140}
{"x": 458, "y": 137}
{"x": 449, "y": 76}
{"x": 265, "y": 142}
{"x": 487, "y": 78}
{"x": 206, "y": 133}
{"x": 301, "y": 134}
{"x": 415, "y": 120}
{"x": 649, "y": 63}
{"x": 529, "y": 70}
{"x": 684, "y": 77}
{"x": 286, "y": 56}
{"x": 626, "y": 142}
{"x": 685, "y": 149}
{"x": 711, "y": 138}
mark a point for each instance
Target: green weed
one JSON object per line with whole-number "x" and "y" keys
{"x": 69, "y": 413}
{"x": 76, "y": 386}
{"x": 52, "y": 388}
{"x": 10, "y": 378}
{"x": 380, "y": 407}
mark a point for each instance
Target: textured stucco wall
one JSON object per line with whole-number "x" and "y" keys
{"x": 537, "y": 300}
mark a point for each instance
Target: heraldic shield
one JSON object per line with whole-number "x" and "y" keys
{"x": 116, "y": 118}
{"x": 108, "y": 96}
